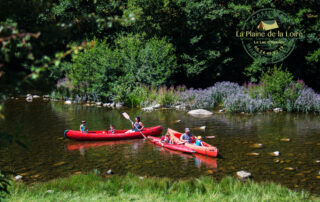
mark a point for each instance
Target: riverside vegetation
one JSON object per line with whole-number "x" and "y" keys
{"x": 276, "y": 89}
{"x": 130, "y": 187}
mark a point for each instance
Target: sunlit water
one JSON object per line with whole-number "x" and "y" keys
{"x": 48, "y": 155}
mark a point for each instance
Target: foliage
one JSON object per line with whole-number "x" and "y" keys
{"x": 274, "y": 82}
{"x": 113, "y": 73}
{"x": 92, "y": 187}
{"x": 244, "y": 103}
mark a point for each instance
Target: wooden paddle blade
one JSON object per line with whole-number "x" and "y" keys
{"x": 125, "y": 115}
{"x": 211, "y": 137}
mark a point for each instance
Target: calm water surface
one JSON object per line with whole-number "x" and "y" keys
{"x": 49, "y": 155}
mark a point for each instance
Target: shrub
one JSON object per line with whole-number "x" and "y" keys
{"x": 307, "y": 101}
{"x": 242, "y": 102}
{"x": 167, "y": 97}
{"x": 274, "y": 83}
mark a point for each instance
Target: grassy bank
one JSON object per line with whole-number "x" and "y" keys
{"x": 92, "y": 187}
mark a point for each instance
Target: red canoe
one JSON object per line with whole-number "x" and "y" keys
{"x": 175, "y": 147}
{"x": 107, "y": 135}
{"x": 206, "y": 149}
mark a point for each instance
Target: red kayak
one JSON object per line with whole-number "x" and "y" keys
{"x": 206, "y": 149}
{"x": 107, "y": 135}
{"x": 175, "y": 147}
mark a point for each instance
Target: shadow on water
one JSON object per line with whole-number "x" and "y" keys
{"x": 245, "y": 142}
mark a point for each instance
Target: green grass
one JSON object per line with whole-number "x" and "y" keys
{"x": 92, "y": 187}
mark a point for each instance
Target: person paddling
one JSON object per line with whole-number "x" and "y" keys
{"x": 137, "y": 125}
{"x": 186, "y": 136}
{"x": 83, "y": 127}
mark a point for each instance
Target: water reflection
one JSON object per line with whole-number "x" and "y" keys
{"x": 50, "y": 156}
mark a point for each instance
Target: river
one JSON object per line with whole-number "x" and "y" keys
{"x": 40, "y": 125}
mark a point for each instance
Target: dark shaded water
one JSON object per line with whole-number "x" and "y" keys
{"x": 50, "y": 156}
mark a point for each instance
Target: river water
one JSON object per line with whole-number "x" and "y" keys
{"x": 40, "y": 124}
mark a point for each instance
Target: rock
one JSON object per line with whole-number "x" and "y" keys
{"x": 109, "y": 172}
{"x": 147, "y": 109}
{"x": 285, "y": 140}
{"x": 105, "y": 104}
{"x": 276, "y": 153}
{"x": 257, "y": 146}
{"x": 242, "y": 112}
{"x": 141, "y": 178}
{"x": 68, "y": 102}
{"x": 49, "y": 191}
{"x": 200, "y": 113}
{"x": 98, "y": 103}
{"x": 29, "y": 95}
{"x": 46, "y": 96}
{"x": 277, "y": 109}
{"x": 276, "y": 160}
{"x": 178, "y": 121}
{"x": 222, "y": 110}
{"x": 18, "y": 177}
{"x": 253, "y": 154}
{"x": 317, "y": 161}
{"x": 289, "y": 168}
{"x": 203, "y": 128}
{"x": 156, "y": 106}
{"x": 35, "y": 96}
{"x": 119, "y": 105}
{"x": 29, "y": 99}
{"x": 180, "y": 107}
{"x": 243, "y": 175}
{"x": 59, "y": 163}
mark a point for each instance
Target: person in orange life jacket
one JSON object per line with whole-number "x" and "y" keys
{"x": 83, "y": 127}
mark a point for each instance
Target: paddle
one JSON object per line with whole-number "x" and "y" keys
{"x": 126, "y": 116}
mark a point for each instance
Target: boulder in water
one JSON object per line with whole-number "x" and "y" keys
{"x": 275, "y": 153}
{"x": 18, "y": 177}
{"x": 277, "y": 109}
{"x": 147, "y": 109}
{"x": 68, "y": 102}
{"x": 200, "y": 113}
{"x": 243, "y": 175}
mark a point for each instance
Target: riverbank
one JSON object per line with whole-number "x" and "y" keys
{"x": 92, "y": 187}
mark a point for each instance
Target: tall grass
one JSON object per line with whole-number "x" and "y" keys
{"x": 130, "y": 187}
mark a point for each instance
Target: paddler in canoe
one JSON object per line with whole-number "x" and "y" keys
{"x": 186, "y": 136}
{"x": 136, "y": 126}
{"x": 83, "y": 127}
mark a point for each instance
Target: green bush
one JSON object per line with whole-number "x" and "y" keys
{"x": 167, "y": 97}
{"x": 112, "y": 73}
{"x": 274, "y": 83}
